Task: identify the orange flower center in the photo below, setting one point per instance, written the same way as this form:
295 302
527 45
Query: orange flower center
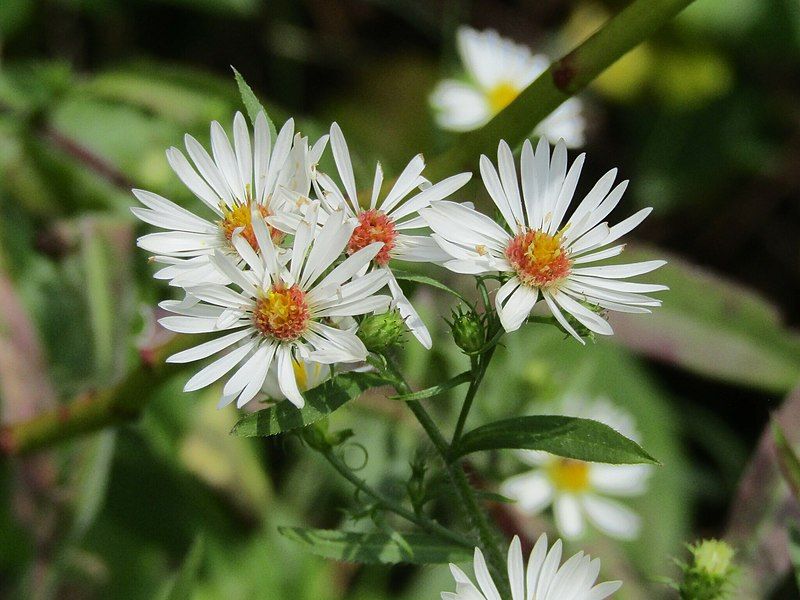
539 258
502 95
569 475
373 226
282 313
241 216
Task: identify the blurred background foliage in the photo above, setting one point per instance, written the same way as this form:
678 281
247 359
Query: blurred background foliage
705 121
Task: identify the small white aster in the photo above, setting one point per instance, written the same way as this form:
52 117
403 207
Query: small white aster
307 373
545 258
498 70
543 579
579 490
389 219
232 181
281 311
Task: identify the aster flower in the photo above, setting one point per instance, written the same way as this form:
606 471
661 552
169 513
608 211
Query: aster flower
308 375
280 314
232 182
544 253
579 490
389 220
497 71
543 579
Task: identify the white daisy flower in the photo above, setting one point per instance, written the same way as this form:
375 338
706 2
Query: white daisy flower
232 181
578 490
498 70
543 579
389 219
281 312
307 373
546 260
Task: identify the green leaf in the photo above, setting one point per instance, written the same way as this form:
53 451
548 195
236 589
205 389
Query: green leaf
435 390
320 402
252 103
405 276
794 550
181 586
787 459
581 439
377 548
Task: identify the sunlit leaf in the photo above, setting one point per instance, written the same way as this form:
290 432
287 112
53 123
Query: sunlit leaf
377 548
581 439
787 460
435 390
320 402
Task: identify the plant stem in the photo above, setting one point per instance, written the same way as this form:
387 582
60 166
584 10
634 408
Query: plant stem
92 411
479 519
420 520
565 77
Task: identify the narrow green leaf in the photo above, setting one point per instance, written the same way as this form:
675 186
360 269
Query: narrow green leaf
377 548
571 437
787 459
435 390
181 586
405 276
320 402
794 550
252 103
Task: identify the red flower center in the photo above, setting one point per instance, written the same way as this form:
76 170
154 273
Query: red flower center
373 226
539 258
282 313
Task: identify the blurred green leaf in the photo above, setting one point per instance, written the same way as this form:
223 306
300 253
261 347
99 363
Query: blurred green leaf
92 480
377 548
320 402
581 439
713 327
430 281
252 104
787 460
181 587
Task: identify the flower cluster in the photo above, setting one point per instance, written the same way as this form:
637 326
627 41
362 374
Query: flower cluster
288 259
290 256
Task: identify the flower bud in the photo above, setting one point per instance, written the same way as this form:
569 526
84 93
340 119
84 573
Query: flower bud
708 576
468 330
381 332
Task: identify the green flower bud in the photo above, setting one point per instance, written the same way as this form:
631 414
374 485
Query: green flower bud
709 574
468 330
381 332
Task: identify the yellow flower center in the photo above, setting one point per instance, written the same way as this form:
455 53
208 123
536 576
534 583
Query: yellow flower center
241 217
539 258
569 475
282 313
502 95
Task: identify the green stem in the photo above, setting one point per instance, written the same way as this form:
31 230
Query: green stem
421 521
479 519
565 77
93 411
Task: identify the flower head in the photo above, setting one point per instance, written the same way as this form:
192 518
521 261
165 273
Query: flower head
390 220
578 490
281 314
497 71
543 251
543 579
238 183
